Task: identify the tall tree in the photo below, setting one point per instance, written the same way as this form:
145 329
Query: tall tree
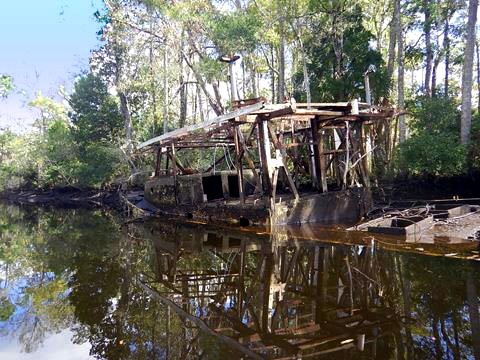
402 126
467 75
392 39
427 28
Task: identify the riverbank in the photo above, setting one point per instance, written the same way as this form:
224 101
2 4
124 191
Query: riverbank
65 197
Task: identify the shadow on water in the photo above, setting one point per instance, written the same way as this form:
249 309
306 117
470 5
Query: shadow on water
163 290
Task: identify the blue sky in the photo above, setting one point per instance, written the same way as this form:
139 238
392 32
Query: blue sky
43 44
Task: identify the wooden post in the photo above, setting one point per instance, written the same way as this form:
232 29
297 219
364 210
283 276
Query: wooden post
314 156
265 156
322 158
174 169
239 164
363 154
159 161
167 159
347 155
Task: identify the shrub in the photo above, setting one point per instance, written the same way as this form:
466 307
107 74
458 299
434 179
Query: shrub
434 145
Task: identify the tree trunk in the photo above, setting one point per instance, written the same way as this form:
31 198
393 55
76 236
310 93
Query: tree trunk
214 103
281 68
200 104
436 62
478 77
272 75
153 84
446 46
126 120
306 77
466 121
165 89
392 41
253 81
427 26
401 77
183 86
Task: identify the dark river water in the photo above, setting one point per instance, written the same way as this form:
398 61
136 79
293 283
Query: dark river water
77 284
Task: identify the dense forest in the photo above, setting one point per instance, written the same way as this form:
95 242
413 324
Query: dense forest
158 69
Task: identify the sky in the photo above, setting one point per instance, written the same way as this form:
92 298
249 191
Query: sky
43 44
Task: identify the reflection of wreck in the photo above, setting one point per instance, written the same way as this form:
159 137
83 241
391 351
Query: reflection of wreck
274 166
276 299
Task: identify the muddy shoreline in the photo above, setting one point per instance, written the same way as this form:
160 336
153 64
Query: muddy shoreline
65 198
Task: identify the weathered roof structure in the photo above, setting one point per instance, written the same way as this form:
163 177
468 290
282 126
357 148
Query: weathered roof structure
212 132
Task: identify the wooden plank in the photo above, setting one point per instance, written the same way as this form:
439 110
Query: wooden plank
318 112
274 110
316 105
175 134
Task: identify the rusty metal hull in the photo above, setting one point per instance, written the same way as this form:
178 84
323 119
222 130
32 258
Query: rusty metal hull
336 207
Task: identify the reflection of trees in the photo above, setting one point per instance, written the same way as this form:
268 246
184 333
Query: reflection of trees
440 305
79 270
32 296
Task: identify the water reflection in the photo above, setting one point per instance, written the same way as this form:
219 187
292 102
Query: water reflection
153 290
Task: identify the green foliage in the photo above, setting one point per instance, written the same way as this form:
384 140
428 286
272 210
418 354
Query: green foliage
82 154
434 146
6 85
342 79
100 165
235 32
6 309
95 113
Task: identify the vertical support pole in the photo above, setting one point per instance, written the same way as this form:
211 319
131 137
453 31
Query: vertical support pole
322 159
347 154
239 157
313 168
159 161
315 156
174 169
167 160
363 154
265 156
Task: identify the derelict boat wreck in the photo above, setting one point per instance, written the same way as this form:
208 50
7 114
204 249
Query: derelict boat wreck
270 164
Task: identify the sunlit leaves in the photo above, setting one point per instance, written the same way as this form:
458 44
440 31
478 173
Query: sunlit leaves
6 85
